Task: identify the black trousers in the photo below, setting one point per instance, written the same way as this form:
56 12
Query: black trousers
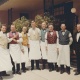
44 61
51 66
17 65
2 73
78 59
32 64
23 66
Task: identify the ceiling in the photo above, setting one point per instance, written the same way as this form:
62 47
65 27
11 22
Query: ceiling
26 4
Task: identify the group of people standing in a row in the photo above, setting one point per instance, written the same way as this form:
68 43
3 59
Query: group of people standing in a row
53 47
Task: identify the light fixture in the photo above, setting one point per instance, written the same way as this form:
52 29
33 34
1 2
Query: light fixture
3 1
73 10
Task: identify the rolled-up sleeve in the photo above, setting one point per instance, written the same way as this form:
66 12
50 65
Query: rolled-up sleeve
70 39
9 39
20 38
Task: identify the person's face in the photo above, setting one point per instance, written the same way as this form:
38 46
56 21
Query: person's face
33 24
13 28
3 29
24 29
78 27
63 27
44 25
50 27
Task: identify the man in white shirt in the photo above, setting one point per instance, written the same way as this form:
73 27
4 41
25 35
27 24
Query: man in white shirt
34 35
5 60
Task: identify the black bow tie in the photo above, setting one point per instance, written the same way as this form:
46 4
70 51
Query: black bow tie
78 32
13 32
4 32
62 31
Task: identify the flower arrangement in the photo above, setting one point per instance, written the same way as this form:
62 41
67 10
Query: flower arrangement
38 19
19 23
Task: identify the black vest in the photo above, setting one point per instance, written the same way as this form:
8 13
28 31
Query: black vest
63 39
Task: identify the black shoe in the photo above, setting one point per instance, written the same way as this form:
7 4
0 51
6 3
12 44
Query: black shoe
68 72
7 75
50 70
32 69
13 72
62 71
77 73
26 68
24 71
57 70
43 68
38 69
1 78
18 72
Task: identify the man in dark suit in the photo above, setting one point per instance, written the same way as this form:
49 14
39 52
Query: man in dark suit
77 48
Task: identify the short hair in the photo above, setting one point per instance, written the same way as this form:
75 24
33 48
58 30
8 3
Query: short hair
44 22
63 24
24 27
3 25
78 24
50 24
13 25
32 21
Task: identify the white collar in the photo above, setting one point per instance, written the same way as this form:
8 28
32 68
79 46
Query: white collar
64 31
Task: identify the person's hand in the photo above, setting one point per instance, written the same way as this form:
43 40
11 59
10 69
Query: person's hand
15 36
14 40
74 52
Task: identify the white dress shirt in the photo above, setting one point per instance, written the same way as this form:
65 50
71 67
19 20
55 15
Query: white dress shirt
78 35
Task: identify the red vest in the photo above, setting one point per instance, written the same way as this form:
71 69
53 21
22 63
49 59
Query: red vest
11 36
51 39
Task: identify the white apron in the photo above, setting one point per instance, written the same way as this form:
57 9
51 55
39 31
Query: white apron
52 53
25 55
43 50
5 60
64 55
15 52
35 53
